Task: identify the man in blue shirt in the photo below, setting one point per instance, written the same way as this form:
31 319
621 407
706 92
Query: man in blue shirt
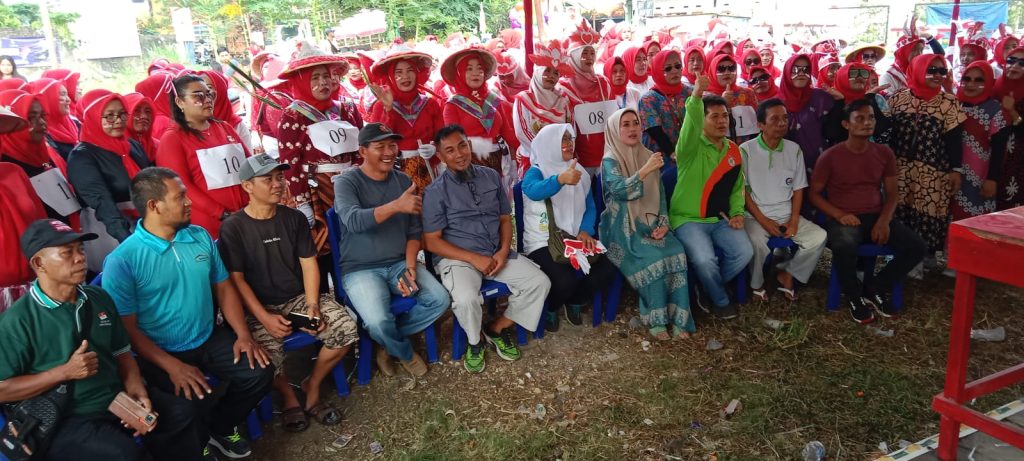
163 278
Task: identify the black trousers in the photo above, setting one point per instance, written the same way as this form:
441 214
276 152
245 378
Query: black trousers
238 391
909 250
566 287
103 438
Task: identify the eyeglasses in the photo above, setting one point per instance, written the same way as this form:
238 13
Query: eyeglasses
759 79
937 70
112 118
797 70
972 80
670 68
752 62
203 96
871 56
726 69
859 73
1014 62
655 220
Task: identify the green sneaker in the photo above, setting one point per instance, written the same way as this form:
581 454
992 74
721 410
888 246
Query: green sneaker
551 319
474 359
504 344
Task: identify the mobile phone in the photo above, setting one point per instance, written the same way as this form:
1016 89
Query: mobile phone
408 284
300 320
782 229
132 412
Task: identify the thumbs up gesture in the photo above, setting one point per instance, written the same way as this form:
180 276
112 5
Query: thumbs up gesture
702 84
729 95
82 363
409 202
571 176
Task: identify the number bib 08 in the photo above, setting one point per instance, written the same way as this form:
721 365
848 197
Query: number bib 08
53 189
591 117
746 120
220 165
334 137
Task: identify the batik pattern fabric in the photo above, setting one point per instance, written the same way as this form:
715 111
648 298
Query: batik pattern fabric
667 112
983 122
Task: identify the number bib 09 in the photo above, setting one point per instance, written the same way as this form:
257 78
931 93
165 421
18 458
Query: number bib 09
334 137
746 120
54 191
220 165
591 117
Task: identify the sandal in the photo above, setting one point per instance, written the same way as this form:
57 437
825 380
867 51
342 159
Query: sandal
325 414
790 293
760 295
294 419
659 333
679 333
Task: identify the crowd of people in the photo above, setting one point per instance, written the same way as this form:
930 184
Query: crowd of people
194 238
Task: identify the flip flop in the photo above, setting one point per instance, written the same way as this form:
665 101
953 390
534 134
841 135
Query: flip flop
790 294
325 414
760 295
295 419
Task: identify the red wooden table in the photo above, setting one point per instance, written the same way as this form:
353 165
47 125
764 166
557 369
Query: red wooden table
989 246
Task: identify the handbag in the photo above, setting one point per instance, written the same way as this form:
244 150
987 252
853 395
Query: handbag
31 423
556 238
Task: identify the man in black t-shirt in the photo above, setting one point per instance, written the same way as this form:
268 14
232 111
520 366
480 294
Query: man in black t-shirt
269 251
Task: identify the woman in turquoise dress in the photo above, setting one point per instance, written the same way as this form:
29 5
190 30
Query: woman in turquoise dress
634 228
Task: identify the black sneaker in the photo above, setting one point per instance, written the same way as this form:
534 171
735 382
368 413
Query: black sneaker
860 309
573 314
551 321
233 445
208 454
702 299
727 312
882 305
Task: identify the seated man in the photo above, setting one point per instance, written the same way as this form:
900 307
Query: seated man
853 174
776 178
706 211
163 279
65 332
467 226
270 254
379 213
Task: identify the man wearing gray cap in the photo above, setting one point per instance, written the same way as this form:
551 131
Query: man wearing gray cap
270 255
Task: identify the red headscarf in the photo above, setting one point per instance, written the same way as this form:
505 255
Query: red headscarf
659 77
18 144
1005 86
987 73
686 58
301 88
902 55
997 52
609 68
842 81
513 38
980 53
629 58
794 98
422 75
134 101
358 81
69 78
157 88
646 47
222 105
58 125
19 206
12 84
461 87
719 48
711 71
824 82
93 104
773 90
917 80
743 62
772 68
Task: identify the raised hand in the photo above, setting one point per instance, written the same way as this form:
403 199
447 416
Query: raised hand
729 95
409 202
571 176
383 95
878 89
702 84
654 163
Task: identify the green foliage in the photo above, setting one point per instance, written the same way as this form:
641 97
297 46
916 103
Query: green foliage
26 15
8 20
416 18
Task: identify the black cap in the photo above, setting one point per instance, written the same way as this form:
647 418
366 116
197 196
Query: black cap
259 165
373 132
46 233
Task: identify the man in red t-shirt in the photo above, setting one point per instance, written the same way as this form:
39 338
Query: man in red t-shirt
853 174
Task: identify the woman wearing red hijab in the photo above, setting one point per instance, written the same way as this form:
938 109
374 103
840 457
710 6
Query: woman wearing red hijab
721 47
651 49
478 109
662 108
814 115
768 61
761 84
636 69
61 130
1000 51
907 48
926 136
1010 91
206 152
18 208
222 109
750 59
742 102
70 80
588 93
985 132
140 122
100 169
157 88
406 108
853 81
693 65
618 80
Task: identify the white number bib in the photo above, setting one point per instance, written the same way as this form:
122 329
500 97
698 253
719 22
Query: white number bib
54 191
334 137
220 165
746 120
591 117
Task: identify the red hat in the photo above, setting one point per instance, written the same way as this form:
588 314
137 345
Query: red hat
584 36
397 53
552 56
506 64
310 56
486 59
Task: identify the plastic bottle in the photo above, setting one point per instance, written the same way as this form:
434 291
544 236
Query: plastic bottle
814 451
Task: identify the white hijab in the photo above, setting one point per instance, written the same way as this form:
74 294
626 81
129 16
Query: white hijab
570 202
547 99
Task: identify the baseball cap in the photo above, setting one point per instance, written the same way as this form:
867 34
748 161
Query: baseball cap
373 132
259 165
46 233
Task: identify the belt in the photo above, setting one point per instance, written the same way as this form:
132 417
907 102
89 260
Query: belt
327 167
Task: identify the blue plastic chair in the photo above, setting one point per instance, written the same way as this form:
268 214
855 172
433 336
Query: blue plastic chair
868 254
491 291
399 305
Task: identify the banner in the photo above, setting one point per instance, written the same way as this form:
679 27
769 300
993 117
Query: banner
27 51
991 13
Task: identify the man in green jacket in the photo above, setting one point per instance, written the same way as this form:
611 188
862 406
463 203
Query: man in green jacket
706 211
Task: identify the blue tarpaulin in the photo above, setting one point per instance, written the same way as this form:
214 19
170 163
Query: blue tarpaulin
991 13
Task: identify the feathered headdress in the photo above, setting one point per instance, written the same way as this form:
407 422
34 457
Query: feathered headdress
552 55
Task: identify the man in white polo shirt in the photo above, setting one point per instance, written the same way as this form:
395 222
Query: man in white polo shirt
776 179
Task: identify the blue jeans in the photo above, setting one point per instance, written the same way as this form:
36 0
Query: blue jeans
700 240
370 292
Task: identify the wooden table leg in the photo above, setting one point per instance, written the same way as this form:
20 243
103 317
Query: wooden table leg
956 367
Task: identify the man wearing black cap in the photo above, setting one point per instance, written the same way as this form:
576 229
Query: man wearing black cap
379 211
270 254
64 332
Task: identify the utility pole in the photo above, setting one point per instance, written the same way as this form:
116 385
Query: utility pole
51 44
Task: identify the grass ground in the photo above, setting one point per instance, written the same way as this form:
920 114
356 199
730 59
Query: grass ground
606 396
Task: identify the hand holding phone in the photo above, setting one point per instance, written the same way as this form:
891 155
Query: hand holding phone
132 413
407 283
302 321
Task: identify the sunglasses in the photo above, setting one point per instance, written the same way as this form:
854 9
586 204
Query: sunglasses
758 79
1015 62
937 70
868 56
201 96
972 80
797 70
859 73
670 68
726 69
752 62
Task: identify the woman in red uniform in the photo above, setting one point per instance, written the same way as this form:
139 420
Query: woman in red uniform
222 109
585 87
70 80
61 130
18 208
140 122
157 88
205 152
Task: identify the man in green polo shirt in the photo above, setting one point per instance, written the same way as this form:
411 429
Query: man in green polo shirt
62 332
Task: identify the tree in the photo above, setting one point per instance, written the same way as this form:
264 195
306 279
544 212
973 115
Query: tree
416 18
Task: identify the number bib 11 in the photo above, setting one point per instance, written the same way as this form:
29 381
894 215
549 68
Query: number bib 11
334 137
746 120
53 189
591 117
220 165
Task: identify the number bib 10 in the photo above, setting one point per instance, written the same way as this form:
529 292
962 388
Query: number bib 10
220 165
591 117
746 120
334 137
53 189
